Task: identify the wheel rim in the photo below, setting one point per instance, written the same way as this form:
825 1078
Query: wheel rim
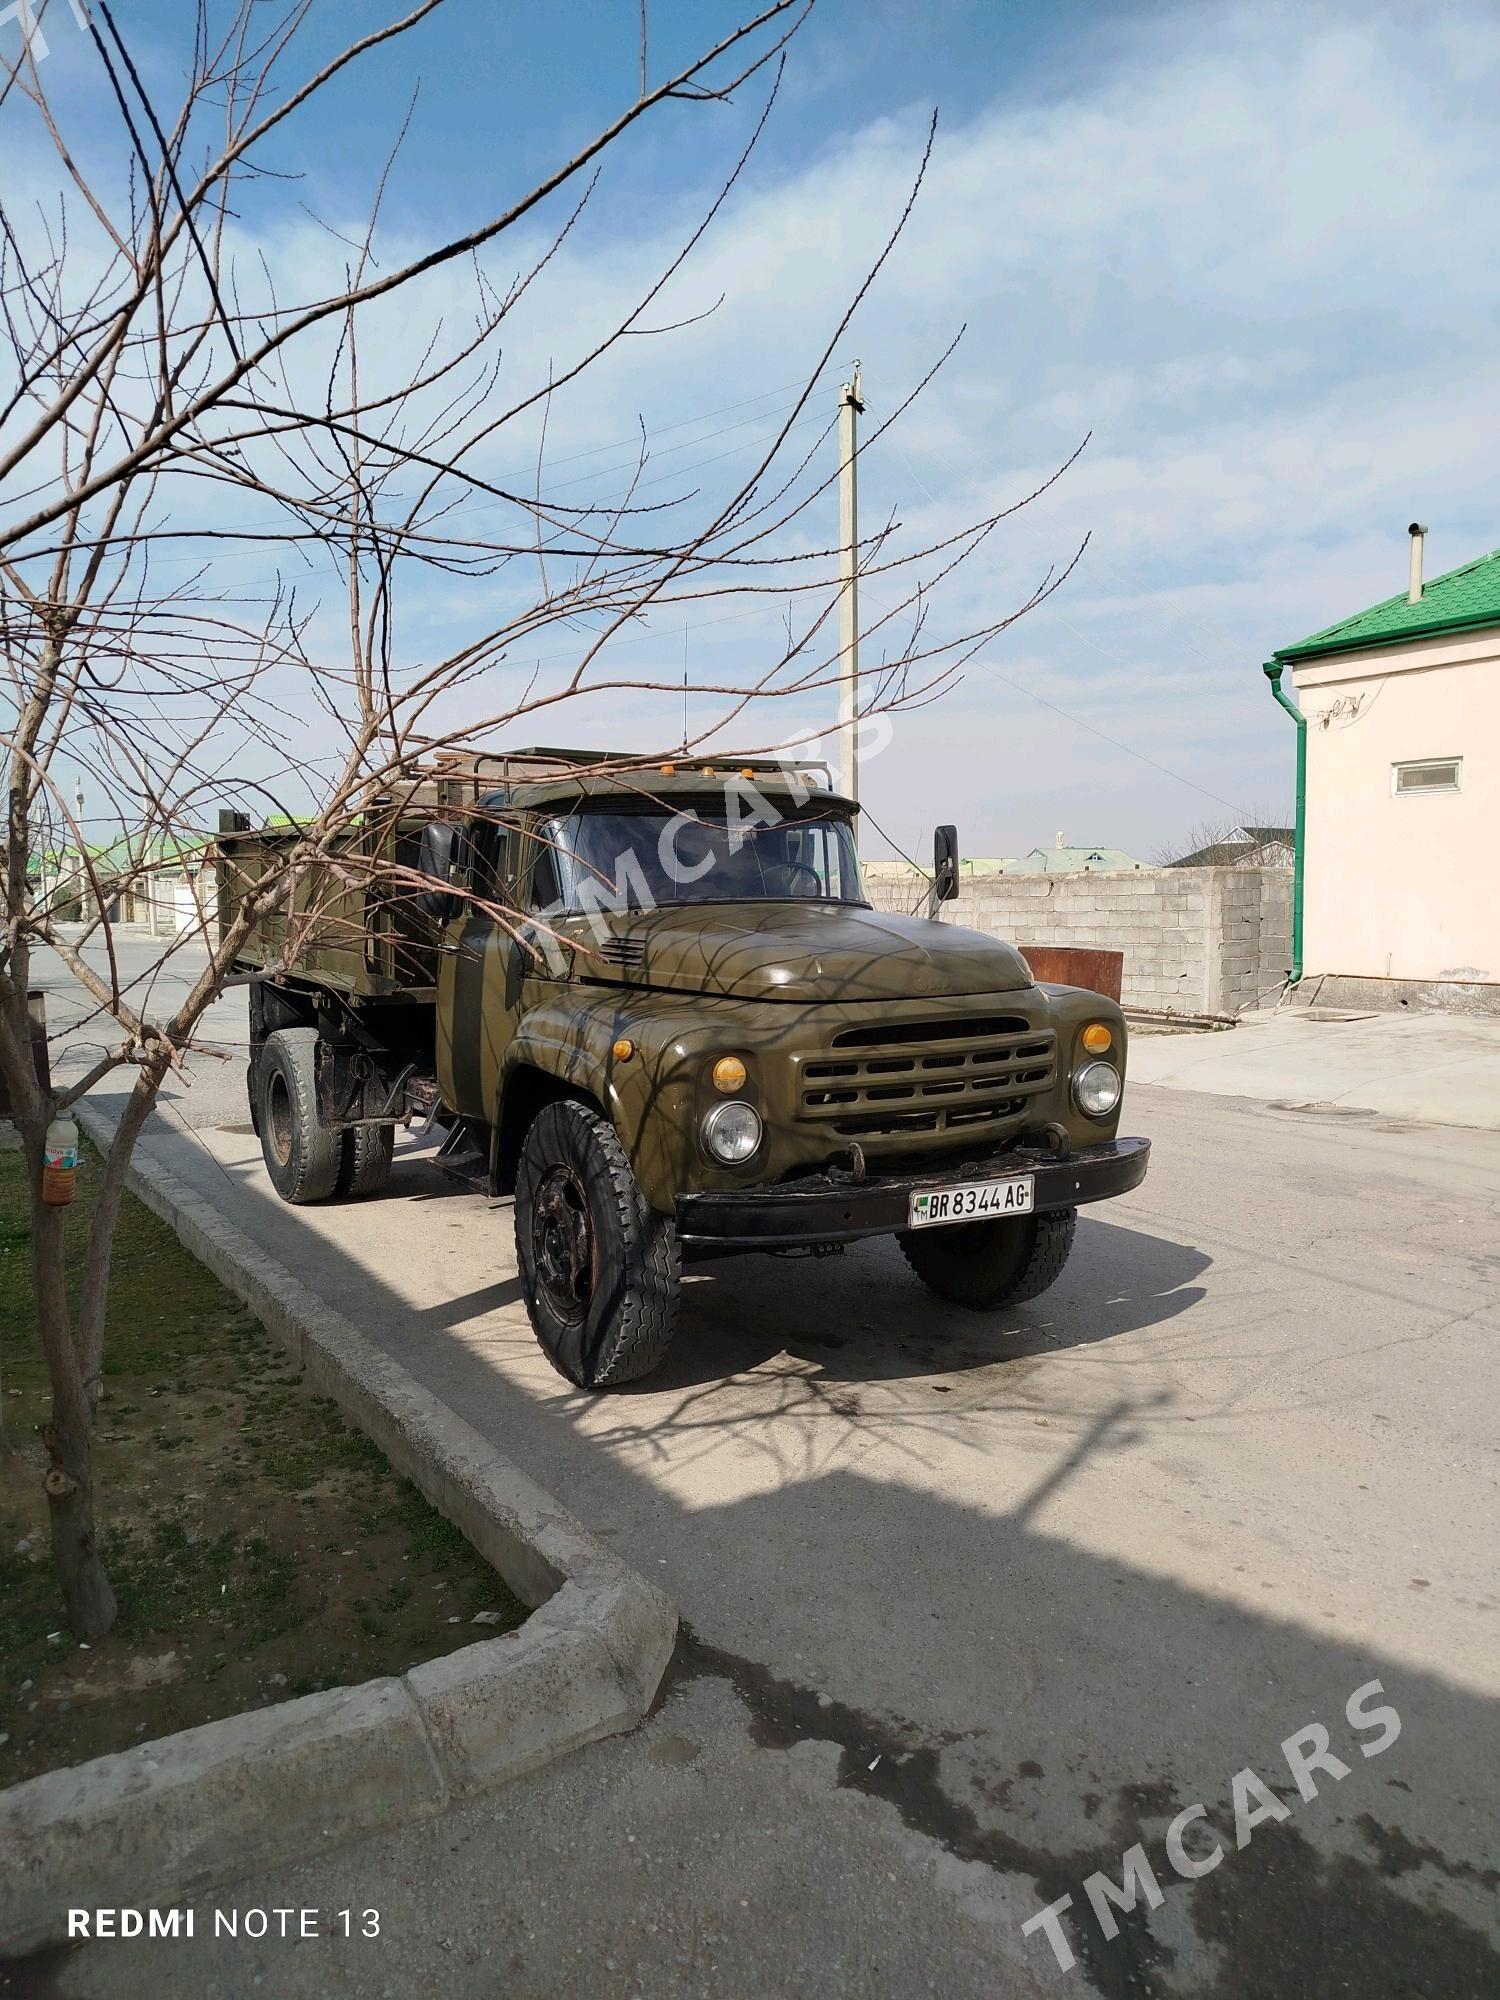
562 1235
278 1115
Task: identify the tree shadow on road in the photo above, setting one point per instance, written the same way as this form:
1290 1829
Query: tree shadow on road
1037 1708
833 1313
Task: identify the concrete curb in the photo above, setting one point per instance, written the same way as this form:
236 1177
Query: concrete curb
190 1812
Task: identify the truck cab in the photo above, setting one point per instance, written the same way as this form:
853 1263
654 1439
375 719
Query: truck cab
663 1015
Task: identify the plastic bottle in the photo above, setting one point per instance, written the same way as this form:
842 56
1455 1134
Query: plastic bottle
60 1162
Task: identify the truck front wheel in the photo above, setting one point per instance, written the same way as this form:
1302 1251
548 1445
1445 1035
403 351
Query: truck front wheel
983 1265
600 1268
302 1156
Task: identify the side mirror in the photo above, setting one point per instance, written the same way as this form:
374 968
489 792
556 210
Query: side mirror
435 858
945 864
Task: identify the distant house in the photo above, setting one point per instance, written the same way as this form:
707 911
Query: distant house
1245 847
163 883
1402 819
1060 859
902 871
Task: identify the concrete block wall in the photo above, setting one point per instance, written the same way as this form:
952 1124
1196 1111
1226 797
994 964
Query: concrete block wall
1254 932
1195 940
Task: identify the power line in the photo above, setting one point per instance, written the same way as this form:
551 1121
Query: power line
1085 639
1093 728
1096 562
679 471
1103 734
594 451
703 417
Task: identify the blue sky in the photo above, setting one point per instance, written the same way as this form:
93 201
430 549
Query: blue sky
1250 250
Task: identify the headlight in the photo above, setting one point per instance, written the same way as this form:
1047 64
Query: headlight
731 1132
1096 1089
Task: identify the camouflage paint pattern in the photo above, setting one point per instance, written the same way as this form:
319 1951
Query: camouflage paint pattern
500 1012
774 983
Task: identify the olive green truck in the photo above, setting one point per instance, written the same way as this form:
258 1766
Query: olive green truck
656 1007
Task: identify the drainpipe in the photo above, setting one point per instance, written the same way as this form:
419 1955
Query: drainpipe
1273 671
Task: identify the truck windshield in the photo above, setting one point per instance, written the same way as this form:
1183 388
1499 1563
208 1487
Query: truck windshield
636 860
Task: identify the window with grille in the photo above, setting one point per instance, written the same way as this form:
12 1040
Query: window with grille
1431 774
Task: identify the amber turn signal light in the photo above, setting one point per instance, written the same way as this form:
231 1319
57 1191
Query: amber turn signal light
729 1074
623 1049
1097 1038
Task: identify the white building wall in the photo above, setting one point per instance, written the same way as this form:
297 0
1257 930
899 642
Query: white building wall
1402 887
175 903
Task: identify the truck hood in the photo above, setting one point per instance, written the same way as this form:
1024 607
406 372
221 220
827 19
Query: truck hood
804 952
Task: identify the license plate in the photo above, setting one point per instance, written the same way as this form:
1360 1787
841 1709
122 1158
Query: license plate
973 1201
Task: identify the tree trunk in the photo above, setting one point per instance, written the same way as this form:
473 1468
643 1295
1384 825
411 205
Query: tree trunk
93 1297
88 1595
69 1479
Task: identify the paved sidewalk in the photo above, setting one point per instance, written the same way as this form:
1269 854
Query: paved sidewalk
713 1855
1430 1068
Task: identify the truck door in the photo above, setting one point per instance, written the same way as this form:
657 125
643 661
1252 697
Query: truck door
485 969
479 983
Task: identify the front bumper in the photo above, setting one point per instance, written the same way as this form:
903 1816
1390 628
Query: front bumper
822 1209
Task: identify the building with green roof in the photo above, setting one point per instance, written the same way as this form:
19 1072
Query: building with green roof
160 881
1061 859
1464 600
1399 729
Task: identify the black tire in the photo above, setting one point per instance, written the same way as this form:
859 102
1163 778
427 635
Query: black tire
365 1160
983 1265
252 1091
302 1156
600 1268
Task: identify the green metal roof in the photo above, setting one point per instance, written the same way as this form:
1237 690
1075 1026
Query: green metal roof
1453 603
1070 860
133 854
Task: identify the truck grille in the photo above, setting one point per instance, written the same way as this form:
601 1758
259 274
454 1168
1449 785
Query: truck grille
927 1076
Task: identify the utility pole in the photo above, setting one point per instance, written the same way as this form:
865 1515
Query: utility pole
850 407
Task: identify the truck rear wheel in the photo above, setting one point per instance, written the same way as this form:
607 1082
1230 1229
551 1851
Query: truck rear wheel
302 1156
983 1265
365 1159
600 1268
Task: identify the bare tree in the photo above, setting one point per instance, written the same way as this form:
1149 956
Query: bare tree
164 378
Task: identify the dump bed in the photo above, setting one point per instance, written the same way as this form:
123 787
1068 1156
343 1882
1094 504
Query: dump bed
348 924
342 926
352 924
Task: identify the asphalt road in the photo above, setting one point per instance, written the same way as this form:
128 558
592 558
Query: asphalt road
974 1605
